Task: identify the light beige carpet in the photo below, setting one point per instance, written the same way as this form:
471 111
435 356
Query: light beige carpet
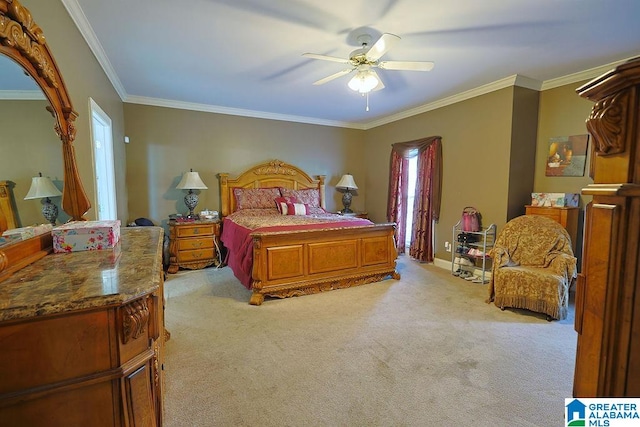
423 351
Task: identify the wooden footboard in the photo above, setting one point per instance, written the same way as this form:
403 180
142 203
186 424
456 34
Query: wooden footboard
287 264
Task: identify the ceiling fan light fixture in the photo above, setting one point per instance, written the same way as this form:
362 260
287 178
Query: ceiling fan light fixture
363 81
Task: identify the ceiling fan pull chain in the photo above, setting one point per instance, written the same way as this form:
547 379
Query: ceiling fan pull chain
367 95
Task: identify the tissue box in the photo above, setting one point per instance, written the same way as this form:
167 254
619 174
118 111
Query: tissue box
25 233
570 200
86 236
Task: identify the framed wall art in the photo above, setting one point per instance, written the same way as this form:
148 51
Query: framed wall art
567 155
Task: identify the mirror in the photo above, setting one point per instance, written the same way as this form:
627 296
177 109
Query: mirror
23 41
28 143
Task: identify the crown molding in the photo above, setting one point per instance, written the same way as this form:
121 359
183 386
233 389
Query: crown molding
582 75
23 95
81 21
510 81
79 18
157 102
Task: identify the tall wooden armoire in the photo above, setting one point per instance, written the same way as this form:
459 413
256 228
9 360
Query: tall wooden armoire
608 290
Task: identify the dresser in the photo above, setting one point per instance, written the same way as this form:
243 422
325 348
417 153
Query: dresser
565 216
193 244
82 337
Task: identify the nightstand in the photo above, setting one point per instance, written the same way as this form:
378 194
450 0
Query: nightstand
363 215
194 244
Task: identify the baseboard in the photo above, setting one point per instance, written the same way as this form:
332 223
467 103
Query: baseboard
442 263
447 266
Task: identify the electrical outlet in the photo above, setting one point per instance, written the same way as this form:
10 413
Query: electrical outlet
447 246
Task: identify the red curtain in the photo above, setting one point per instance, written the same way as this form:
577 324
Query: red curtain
426 207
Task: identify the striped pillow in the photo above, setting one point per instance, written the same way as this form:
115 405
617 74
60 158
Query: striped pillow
295 209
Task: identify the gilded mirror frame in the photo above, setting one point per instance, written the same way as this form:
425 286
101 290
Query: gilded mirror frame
22 40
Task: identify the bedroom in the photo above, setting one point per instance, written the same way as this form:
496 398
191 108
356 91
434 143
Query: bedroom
497 129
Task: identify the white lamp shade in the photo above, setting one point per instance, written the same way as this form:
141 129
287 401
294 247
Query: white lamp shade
363 81
191 181
347 183
41 187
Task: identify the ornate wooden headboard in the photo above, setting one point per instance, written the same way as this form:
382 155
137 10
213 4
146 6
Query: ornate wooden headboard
275 173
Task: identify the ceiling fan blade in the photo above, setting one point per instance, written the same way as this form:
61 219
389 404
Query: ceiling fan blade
326 58
382 46
333 76
407 65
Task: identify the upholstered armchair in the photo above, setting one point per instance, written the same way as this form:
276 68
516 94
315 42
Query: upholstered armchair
533 266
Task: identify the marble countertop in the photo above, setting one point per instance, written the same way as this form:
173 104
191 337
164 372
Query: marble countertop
65 282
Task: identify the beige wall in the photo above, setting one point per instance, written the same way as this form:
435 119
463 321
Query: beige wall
523 150
28 146
476 150
83 78
166 142
562 113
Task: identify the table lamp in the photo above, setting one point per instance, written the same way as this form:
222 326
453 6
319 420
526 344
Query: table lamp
191 181
42 187
347 184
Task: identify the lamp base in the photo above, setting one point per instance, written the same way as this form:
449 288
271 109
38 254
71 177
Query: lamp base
346 201
50 211
191 200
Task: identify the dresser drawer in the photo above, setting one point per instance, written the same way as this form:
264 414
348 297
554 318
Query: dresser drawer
196 230
190 244
196 255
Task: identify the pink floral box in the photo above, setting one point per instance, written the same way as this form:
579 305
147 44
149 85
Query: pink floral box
86 236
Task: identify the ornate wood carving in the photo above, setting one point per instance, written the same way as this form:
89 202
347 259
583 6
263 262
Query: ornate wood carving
275 167
607 123
287 291
135 319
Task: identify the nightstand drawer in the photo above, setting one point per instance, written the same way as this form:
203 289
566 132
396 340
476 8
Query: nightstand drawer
196 230
190 244
196 255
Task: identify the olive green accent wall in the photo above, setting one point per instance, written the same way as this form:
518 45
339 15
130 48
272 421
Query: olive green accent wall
167 142
84 78
29 145
523 150
563 113
477 156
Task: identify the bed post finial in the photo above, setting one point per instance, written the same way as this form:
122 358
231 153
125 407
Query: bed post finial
321 186
224 190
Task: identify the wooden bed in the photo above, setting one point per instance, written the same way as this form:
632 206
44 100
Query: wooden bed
7 211
287 264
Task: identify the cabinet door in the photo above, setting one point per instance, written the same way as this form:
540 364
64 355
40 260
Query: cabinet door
138 396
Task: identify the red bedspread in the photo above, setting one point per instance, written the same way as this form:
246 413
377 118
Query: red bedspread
238 227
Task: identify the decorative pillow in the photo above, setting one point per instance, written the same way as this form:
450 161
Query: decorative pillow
295 209
310 196
255 198
281 203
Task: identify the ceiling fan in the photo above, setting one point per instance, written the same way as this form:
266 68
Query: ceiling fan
365 59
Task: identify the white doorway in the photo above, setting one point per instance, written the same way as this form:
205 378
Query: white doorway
102 143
